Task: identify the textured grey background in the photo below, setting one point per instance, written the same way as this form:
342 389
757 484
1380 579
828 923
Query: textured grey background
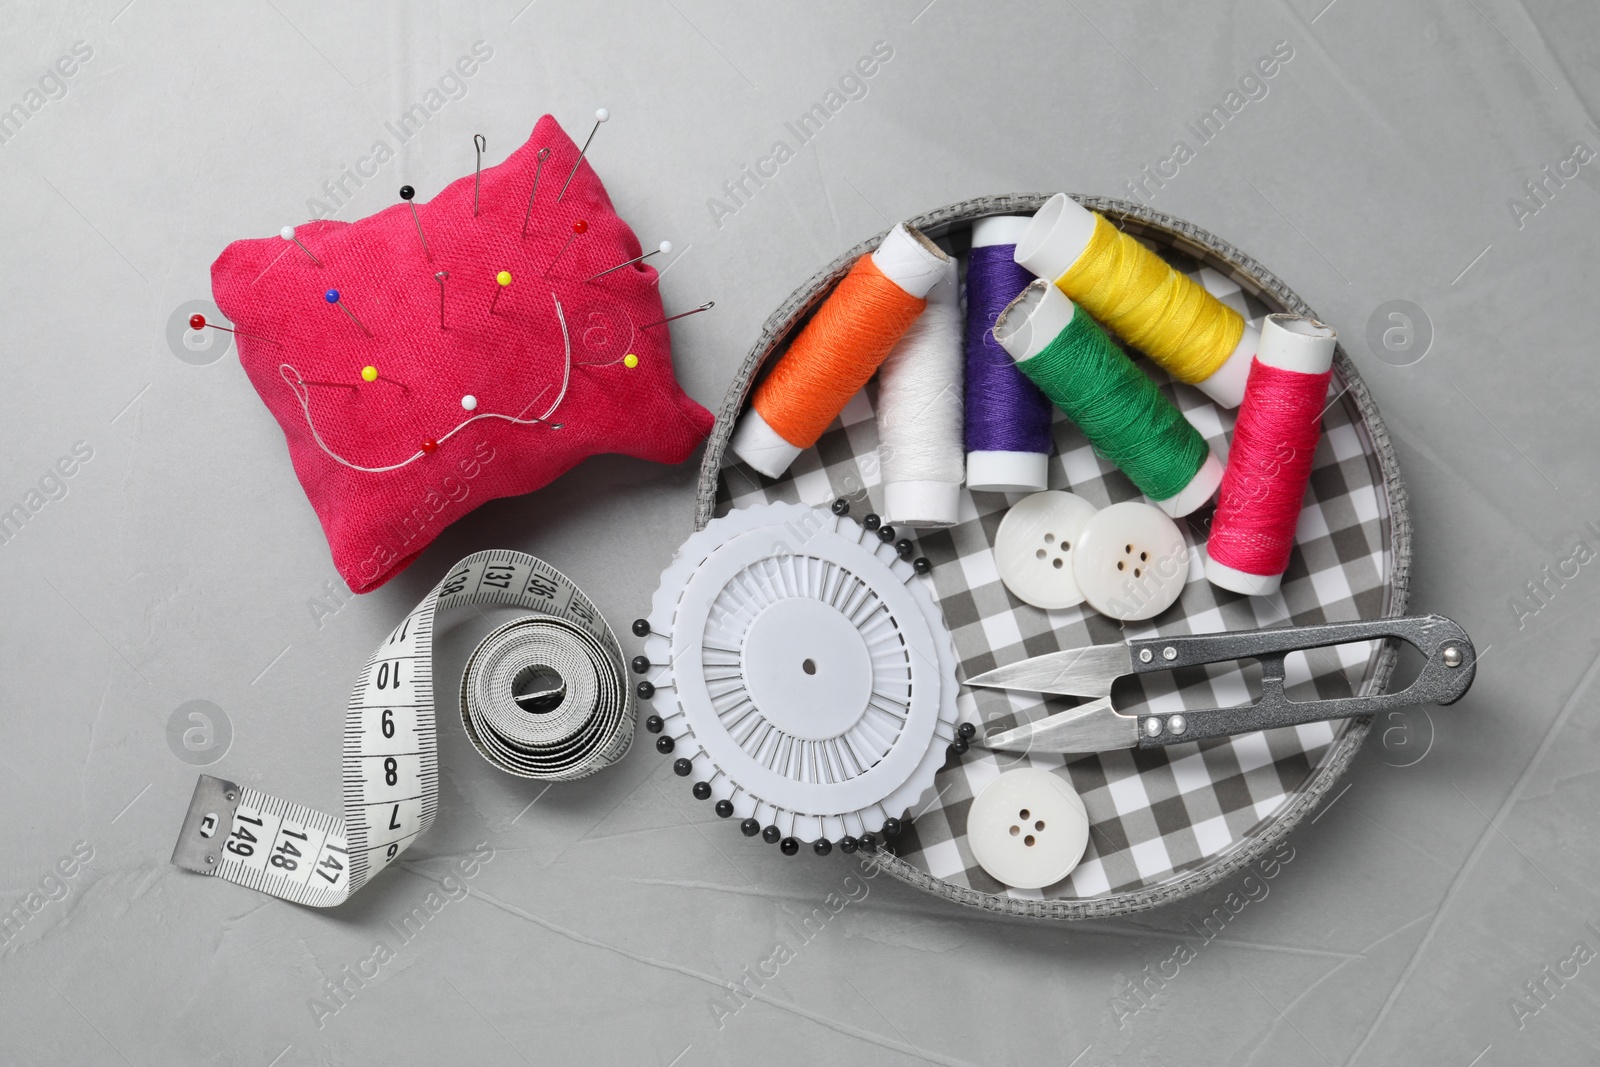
183 561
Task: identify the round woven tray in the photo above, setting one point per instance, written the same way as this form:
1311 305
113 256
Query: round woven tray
1175 821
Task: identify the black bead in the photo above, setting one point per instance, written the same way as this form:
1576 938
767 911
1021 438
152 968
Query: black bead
872 522
749 827
922 564
681 767
902 548
822 847
641 627
664 744
886 534
841 506
789 846
702 790
961 745
654 724
891 828
406 192
868 843
771 835
847 845
724 809
640 664
646 689
967 730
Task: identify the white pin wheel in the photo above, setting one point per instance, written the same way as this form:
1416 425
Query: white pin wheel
803 670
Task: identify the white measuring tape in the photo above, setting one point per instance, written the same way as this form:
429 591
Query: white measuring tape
542 697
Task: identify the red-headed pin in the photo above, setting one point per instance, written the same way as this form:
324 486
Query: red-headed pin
198 322
578 228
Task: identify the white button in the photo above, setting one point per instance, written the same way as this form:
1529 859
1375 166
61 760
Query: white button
1130 561
1028 828
1034 545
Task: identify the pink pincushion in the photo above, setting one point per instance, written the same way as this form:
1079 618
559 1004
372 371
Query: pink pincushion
514 361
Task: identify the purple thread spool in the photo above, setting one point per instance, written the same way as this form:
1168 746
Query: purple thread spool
1007 418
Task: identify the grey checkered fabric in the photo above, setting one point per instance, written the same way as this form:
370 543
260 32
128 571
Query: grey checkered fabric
1156 816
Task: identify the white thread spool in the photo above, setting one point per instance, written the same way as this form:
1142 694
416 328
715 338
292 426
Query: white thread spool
1052 246
920 414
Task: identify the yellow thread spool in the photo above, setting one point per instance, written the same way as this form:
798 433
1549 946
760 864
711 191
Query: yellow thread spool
1139 297
1158 310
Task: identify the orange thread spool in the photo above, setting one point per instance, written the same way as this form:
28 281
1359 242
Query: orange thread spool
839 349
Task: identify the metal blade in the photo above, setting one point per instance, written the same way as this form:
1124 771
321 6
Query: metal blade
1091 727
1077 672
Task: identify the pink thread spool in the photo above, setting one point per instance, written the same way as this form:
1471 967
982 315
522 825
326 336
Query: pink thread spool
1269 462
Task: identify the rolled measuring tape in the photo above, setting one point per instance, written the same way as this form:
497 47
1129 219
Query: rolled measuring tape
545 696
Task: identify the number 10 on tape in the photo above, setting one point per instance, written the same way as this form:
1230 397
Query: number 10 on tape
390 759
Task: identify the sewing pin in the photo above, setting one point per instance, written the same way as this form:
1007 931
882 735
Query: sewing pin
501 280
707 306
599 117
578 227
370 374
663 249
406 193
332 297
440 278
479 142
198 322
538 169
630 361
287 233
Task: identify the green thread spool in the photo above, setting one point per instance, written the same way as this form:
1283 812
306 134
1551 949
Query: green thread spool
1121 411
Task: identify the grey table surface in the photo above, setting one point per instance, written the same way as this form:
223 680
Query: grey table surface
1441 908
